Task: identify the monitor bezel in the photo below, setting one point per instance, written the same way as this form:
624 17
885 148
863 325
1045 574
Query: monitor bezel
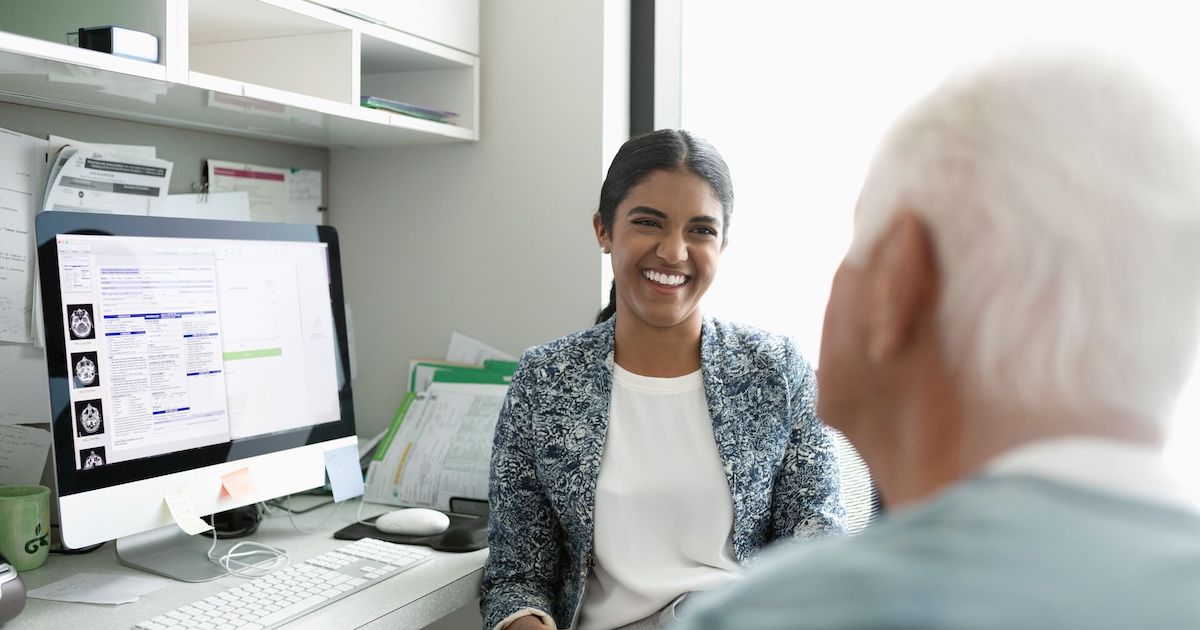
69 480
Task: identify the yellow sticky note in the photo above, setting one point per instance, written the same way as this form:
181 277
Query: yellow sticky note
239 484
183 512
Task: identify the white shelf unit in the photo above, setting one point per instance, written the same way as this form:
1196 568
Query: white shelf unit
283 70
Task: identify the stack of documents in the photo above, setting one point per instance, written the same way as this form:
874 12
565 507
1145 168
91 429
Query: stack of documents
439 445
85 178
408 109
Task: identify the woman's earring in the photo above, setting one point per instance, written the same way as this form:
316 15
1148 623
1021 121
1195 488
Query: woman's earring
604 249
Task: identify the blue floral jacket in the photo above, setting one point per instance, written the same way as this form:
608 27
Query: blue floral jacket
779 459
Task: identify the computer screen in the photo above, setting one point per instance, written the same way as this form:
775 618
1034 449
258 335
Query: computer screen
180 350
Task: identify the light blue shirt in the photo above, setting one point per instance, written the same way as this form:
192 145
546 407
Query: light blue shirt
1025 549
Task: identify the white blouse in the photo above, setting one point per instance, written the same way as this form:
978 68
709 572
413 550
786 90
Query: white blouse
664 515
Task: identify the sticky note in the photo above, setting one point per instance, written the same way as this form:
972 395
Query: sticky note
239 484
183 512
345 475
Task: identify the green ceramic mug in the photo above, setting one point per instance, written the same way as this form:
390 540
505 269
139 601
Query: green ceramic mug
25 525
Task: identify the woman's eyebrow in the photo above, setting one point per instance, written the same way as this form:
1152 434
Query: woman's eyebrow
706 219
647 210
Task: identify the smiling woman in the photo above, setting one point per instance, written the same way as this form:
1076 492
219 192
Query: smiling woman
653 454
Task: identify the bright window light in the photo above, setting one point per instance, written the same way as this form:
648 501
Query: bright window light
796 95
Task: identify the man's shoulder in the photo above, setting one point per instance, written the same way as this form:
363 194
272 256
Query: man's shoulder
987 545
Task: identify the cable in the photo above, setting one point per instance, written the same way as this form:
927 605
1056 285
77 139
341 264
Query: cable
234 565
291 513
358 516
276 503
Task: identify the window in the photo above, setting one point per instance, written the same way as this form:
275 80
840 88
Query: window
796 96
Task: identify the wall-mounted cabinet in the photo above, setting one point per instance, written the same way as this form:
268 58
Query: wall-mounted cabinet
285 70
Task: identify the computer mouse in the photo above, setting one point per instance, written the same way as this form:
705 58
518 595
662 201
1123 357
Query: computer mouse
413 522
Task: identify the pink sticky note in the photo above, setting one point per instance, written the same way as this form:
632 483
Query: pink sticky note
239 484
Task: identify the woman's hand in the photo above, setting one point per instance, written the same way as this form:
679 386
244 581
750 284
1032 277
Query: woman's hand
529 622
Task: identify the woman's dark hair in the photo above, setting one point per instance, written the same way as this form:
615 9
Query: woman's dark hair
662 150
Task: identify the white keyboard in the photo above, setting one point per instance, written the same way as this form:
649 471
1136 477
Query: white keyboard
275 599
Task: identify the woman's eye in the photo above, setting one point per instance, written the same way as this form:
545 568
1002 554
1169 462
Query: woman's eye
706 231
646 222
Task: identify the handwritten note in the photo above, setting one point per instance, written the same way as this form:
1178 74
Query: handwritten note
345 475
183 512
239 484
19 187
304 197
24 395
22 454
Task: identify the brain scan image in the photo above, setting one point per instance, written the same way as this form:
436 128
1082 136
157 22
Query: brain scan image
85 371
91 460
81 323
89 418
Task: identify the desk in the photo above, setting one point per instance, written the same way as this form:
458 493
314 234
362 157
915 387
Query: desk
412 599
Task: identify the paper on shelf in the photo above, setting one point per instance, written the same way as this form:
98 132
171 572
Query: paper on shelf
183 512
20 186
304 197
464 349
96 588
226 206
345 473
266 185
24 395
23 453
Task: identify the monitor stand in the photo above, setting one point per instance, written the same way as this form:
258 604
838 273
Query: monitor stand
171 552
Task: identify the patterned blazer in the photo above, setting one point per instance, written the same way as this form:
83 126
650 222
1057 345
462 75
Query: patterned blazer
779 460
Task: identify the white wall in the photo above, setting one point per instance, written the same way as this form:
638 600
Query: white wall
492 239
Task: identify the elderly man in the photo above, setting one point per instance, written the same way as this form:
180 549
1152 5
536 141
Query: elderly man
1003 344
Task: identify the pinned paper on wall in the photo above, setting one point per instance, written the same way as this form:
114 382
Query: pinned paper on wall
23 453
239 484
266 185
345 474
183 512
304 197
24 397
226 206
20 188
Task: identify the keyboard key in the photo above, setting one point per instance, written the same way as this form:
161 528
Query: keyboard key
272 600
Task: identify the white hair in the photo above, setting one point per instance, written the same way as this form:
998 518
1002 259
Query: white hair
1062 194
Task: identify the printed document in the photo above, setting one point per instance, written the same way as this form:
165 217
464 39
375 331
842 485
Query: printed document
464 349
439 448
267 187
92 179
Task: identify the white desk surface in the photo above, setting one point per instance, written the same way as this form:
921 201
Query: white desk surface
412 599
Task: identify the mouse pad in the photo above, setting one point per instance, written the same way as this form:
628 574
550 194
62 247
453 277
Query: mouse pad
466 533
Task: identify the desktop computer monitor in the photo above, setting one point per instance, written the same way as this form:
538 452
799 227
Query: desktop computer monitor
181 350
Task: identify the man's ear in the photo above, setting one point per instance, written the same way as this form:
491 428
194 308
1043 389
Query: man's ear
904 287
602 237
